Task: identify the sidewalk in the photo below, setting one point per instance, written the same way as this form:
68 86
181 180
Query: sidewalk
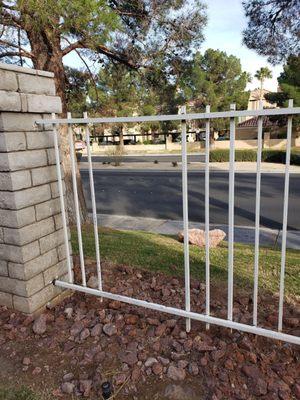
240 167
242 234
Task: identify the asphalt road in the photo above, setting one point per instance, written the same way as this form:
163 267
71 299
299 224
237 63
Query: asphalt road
157 194
149 158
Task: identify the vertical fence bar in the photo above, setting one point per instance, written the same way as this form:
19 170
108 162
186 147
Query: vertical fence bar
62 202
207 261
94 209
285 216
231 215
257 213
76 202
185 218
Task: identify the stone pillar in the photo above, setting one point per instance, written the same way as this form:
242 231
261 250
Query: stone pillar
32 251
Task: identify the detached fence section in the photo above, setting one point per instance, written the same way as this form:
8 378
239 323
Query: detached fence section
187 313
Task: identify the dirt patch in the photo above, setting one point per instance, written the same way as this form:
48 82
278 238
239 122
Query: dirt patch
145 354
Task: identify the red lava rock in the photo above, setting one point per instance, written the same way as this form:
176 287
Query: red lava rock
292 322
160 330
85 387
109 329
193 369
26 361
153 321
115 305
217 355
76 328
128 357
157 368
176 374
67 387
171 323
68 377
136 373
39 326
150 361
203 361
182 363
229 364
200 345
36 371
120 379
296 391
163 361
84 334
96 330
131 319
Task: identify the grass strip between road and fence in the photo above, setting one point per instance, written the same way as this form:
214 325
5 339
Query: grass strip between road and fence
162 253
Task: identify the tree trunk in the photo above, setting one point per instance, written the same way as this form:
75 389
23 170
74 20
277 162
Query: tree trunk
48 56
121 137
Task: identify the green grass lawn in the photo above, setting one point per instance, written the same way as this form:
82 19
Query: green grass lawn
18 394
165 254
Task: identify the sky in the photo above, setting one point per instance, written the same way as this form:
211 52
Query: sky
226 21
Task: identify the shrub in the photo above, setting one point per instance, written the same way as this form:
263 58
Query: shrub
221 155
116 153
272 156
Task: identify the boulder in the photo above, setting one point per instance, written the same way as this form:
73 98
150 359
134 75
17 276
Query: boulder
197 237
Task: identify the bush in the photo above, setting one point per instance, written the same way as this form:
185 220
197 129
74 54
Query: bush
272 156
221 155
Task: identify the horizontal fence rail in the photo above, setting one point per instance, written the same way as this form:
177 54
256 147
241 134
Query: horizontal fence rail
183 118
174 117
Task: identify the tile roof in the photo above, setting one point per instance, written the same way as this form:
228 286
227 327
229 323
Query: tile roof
253 122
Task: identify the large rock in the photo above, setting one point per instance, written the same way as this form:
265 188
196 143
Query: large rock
197 237
40 325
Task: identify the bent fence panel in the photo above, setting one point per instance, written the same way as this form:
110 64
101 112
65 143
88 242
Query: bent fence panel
186 313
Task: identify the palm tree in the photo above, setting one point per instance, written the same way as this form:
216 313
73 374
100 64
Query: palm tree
262 74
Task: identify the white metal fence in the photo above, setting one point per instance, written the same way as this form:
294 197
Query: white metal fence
186 313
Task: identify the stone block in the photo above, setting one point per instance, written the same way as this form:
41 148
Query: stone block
8 80
54 189
3 268
10 101
36 84
29 233
47 209
15 161
1 235
25 198
12 141
34 267
55 272
20 254
15 180
39 140
43 175
18 122
17 219
6 299
51 241
38 300
22 288
43 104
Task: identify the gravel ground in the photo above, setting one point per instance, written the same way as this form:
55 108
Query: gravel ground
71 349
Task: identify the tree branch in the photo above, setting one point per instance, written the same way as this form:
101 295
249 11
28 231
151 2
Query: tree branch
83 44
13 54
8 44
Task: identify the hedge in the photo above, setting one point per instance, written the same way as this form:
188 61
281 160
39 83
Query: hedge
273 156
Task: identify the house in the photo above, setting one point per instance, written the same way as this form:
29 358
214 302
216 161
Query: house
248 129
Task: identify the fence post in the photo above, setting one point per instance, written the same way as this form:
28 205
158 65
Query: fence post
185 218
